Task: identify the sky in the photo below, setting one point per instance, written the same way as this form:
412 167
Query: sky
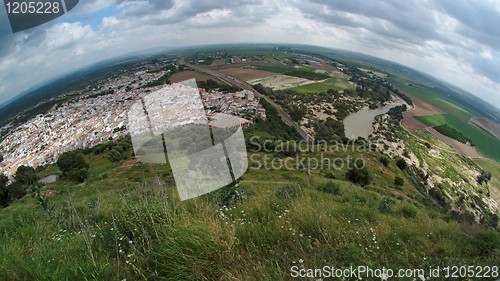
457 41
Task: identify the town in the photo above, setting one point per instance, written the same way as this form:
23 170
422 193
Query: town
101 115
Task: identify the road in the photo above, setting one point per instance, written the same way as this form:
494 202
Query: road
245 86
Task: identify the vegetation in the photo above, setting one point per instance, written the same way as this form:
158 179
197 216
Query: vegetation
73 166
384 160
119 228
211 84
399 181
301 72
359 174
126 222
452 133
401 163
484 177
25 175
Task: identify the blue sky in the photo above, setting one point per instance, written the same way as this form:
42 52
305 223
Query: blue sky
454 40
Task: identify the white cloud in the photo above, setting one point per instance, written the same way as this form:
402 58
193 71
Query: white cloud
432 37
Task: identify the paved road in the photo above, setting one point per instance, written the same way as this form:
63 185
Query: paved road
245 86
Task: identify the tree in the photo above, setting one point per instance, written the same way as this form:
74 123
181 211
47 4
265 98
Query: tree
401 163
3 190
297 113
1 158
73 166
115 156
399 181
484 177
26 175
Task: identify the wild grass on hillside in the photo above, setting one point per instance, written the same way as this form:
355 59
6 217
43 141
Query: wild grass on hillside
132 226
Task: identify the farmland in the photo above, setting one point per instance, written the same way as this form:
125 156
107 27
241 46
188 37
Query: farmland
484 144
456 116
186 75
322 87
301 72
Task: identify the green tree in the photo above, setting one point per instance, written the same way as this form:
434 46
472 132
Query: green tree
484 177
26 175
115 156
73 166
3 190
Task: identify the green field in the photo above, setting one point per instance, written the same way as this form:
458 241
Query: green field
427 94
322 87
457 116
484 143
301 72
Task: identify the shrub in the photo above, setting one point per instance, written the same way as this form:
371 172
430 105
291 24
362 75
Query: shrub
384 160
487 241
115 155
408 211
399 181
401 163
329 187
359 176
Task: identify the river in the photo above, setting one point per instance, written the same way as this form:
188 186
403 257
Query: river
360 123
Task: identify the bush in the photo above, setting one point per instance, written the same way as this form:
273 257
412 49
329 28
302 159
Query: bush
408 211
359 176
329 187
384 160
401 163
399 181
484 177
115 156
487 242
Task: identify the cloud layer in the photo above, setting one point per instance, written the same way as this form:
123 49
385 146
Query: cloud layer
457 41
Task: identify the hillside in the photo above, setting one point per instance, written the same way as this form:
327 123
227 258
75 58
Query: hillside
126 222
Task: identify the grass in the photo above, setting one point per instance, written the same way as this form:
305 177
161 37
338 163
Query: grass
484 143
301 72
131 225
322 87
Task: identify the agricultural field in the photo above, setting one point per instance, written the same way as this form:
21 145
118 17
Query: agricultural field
486 125
484 143
338 84
280 82
454 115
186 75
452 133
246 73
296 71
